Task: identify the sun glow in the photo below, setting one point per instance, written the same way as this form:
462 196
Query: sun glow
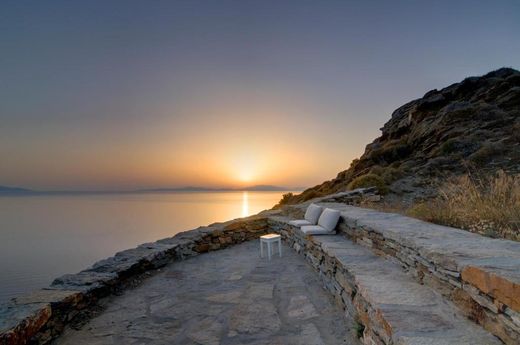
246 166
245 204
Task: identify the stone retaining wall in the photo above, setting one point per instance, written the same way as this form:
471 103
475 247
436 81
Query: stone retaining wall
39 317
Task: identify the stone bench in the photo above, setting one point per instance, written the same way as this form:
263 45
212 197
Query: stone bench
480 274
391 306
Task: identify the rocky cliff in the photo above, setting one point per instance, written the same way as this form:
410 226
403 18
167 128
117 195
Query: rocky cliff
469 126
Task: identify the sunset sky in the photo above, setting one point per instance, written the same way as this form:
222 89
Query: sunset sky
142 94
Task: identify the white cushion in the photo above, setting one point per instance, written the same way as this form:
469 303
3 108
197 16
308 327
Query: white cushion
316 230
329 219
313 213
300 222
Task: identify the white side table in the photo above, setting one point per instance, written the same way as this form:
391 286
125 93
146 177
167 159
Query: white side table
269 239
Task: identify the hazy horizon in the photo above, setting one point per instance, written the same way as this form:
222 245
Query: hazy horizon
127 94
257 188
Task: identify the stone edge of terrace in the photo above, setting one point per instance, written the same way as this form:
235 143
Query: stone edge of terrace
41 315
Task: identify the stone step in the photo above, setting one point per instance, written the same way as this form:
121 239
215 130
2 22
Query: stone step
480 275
391 305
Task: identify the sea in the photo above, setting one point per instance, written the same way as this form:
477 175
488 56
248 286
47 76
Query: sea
45 236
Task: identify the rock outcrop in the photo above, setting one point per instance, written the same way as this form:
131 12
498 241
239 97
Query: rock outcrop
469 126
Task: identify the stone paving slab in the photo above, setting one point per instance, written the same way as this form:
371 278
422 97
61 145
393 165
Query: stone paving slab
231 296
463 247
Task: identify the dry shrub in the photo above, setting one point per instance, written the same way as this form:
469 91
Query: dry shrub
369 180
286 199
487 205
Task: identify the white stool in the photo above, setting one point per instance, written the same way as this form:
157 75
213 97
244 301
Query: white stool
269 239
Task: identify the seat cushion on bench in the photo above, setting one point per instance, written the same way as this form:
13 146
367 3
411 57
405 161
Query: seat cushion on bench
316 230
300 222
313 213
329 219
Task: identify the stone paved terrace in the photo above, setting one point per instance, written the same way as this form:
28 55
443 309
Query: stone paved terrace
403 281
231 296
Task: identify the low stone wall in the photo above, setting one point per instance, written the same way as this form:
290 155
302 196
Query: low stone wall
39 317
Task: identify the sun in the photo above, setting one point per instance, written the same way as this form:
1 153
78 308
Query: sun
245 176
245 167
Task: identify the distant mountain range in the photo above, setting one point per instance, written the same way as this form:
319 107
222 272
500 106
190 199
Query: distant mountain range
4 190
14 190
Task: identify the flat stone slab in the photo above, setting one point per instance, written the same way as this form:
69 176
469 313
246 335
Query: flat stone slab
231 296
412 313
492 265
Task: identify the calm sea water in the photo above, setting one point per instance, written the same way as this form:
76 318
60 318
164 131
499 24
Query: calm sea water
43 237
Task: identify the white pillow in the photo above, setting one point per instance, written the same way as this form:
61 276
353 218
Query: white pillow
313 213
329 219
315 230
300 222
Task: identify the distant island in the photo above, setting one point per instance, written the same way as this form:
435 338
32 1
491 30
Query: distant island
5 190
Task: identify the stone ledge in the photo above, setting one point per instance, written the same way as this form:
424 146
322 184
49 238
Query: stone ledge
392 307
39 317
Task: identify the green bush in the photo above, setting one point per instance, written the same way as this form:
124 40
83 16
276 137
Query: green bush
515 131
391 152
449 146
310 195
286 199
486 152
369 180
377 170
359 328
390 174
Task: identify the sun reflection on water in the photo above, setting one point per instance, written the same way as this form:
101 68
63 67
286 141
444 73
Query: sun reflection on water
245 204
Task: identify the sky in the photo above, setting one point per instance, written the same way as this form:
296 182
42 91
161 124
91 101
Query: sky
143 94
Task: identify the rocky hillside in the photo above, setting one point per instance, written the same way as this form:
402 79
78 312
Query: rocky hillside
471 126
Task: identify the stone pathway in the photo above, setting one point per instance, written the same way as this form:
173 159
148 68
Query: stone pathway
229 296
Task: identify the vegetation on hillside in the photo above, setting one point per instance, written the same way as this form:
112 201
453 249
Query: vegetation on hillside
451 157
472 125
486 205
